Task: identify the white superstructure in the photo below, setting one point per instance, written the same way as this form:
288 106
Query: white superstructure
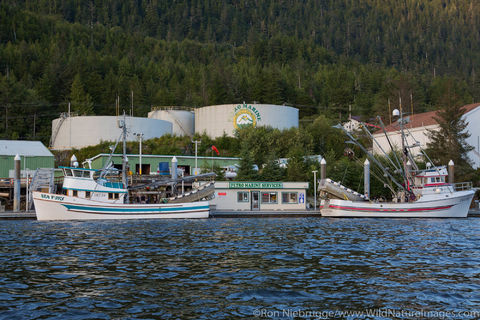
224 119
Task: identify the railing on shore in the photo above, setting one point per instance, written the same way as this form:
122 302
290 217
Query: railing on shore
8 182
460 186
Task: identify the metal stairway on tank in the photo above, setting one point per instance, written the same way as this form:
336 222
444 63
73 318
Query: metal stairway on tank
42 179
179 123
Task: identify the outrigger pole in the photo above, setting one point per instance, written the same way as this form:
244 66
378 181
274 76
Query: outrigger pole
372 158
390 144
380 147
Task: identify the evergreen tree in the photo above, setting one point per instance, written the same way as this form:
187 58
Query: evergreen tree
246 171
449 142
272 170
80 100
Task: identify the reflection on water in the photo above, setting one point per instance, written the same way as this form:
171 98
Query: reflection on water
237 268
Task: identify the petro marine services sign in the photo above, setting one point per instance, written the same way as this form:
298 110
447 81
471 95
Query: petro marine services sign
255 185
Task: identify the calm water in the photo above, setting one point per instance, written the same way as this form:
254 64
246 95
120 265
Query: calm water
240 268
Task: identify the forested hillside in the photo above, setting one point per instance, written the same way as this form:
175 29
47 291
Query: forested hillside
320 56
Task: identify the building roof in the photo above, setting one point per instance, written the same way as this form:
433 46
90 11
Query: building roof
23 148
424 119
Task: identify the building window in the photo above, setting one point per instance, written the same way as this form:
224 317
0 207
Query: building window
269 197
87 194
242 196
289 197
75 193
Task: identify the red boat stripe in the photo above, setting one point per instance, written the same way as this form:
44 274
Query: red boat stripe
390 210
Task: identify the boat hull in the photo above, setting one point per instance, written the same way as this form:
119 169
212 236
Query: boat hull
59 207
455 206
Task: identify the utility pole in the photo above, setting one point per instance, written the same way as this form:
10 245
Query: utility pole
34 120
140 136
131 110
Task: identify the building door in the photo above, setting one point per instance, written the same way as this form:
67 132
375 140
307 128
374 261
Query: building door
255 203
145 168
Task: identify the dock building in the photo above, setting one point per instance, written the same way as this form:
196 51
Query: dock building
160 164
33 155
260 196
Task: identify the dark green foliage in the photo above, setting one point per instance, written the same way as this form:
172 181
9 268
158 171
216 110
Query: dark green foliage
449 142
321 57
271 170
246 171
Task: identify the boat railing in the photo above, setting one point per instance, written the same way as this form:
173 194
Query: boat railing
461 186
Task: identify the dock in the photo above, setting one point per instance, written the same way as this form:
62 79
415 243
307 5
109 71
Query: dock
264 214
31 215
19 215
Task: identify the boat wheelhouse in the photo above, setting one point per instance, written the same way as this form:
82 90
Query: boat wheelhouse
88 184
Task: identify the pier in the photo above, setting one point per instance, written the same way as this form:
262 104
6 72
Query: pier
30 215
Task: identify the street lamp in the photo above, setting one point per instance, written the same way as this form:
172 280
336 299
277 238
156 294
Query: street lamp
140 136
195 171
315 190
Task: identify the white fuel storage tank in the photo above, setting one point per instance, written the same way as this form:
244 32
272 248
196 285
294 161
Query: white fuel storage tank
182 119
83 131
226 118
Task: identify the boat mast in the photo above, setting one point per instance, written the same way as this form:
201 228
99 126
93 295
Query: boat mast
124 154
404 150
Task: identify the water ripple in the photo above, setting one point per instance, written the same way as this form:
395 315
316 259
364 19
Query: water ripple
234 268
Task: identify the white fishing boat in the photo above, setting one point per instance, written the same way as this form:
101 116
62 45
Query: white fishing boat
422 193
88 198
431 197
90 194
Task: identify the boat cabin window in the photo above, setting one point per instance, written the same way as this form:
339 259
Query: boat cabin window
436 179
112 196
67 172
87 194
81 173
75 193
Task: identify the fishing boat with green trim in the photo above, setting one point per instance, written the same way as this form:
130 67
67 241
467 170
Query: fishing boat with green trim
89 196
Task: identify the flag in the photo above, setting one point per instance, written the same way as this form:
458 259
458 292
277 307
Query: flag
216 150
